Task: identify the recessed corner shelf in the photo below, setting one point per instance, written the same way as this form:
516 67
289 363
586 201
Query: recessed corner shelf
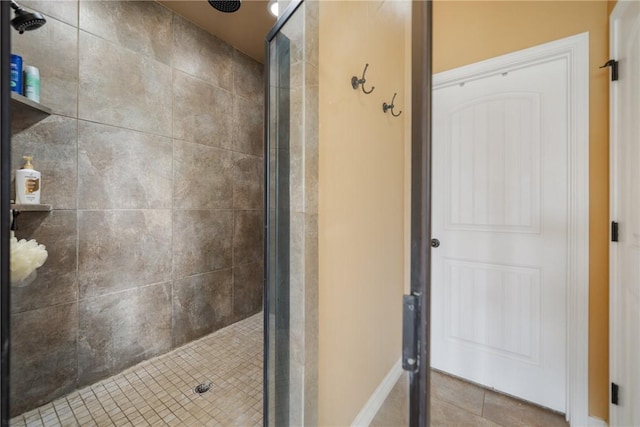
31 208
26 113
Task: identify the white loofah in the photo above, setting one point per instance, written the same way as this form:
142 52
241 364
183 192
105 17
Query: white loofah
26 256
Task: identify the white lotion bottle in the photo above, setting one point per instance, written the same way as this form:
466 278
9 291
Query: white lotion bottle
28 184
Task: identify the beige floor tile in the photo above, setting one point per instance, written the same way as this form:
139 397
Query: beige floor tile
467 396
70 423
449 398
508 411
444 414
395 411
160 392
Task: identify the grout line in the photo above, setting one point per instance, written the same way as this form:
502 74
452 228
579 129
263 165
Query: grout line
230 150
209 83
173 181
77 194
146 209
117 126
233 264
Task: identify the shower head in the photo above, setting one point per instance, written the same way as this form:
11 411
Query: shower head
226 6
26 21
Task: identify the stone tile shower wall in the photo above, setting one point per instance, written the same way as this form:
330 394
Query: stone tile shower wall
152 161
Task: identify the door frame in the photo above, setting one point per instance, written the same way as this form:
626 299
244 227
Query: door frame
421 171
575 51
614 143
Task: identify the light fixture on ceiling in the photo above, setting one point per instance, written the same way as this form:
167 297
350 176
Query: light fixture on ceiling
226 6
273 7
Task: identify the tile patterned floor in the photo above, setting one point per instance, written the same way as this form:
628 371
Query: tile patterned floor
160 391
457 403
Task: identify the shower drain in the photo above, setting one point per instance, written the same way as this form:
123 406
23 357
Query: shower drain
203 388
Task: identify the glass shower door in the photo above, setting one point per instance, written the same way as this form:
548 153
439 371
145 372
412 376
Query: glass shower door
347 214
277 243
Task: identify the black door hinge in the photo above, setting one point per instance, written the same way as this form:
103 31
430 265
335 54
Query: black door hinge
614 231
614 69
410 320
614 393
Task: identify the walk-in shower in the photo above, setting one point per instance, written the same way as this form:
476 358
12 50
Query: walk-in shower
149 139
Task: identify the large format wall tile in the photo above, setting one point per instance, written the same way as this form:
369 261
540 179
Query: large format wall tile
202 55
122 329
248 288
312 33
54 50
247 182
122 249
134 209
123 169
53 145
304 139
201 241
247 237
201 304
203 177
43 355
122 22
121 88
311 141
248 127
248 80
56 281
201 113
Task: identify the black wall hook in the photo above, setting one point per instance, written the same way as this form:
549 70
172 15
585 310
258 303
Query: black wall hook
355 81
386 107
614 69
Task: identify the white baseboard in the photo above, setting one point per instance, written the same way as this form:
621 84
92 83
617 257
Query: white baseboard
373 405
596 422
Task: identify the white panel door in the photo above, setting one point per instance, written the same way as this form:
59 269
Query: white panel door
625 192
500 211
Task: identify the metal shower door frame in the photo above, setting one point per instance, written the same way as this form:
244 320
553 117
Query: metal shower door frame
273 33
421 89
5 189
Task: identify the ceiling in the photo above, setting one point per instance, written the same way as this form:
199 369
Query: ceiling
245 29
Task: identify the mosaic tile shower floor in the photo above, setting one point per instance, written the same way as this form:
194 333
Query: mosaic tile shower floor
160 391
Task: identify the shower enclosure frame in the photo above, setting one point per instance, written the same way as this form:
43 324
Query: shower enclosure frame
420 282
275 30
5 195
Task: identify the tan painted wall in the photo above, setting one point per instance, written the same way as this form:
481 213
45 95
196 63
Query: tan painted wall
361 203
470 31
